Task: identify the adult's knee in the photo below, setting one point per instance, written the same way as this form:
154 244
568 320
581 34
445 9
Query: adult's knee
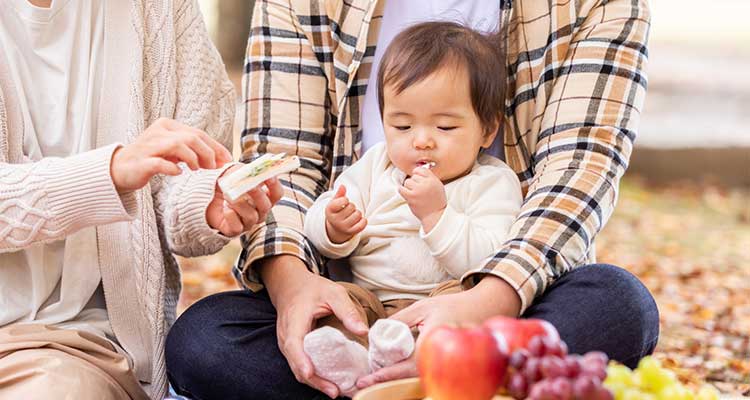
604 307
190 350
51 374
225 346
198 354
630 313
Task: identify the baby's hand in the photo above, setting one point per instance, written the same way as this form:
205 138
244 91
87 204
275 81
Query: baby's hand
425 195
343 220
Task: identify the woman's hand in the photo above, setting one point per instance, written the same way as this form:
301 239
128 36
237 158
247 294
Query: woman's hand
233 218
491 296
158 150
300 299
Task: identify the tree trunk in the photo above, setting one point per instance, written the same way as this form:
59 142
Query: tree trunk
232 30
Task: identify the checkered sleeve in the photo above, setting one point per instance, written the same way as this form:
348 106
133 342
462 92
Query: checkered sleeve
287 110
596 82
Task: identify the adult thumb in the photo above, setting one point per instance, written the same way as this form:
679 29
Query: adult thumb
412 316
345 310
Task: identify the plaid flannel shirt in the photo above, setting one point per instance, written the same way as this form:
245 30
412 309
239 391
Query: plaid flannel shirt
576 89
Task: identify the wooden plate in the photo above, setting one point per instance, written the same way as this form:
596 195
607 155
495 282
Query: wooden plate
410 389
402 389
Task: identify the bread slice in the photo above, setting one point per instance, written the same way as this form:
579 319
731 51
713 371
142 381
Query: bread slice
256 172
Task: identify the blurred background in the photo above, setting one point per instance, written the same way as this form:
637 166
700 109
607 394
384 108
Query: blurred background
682 224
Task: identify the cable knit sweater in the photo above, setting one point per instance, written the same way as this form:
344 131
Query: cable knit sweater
159 62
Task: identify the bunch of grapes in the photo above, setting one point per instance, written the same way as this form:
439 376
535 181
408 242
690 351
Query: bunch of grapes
545 371
650 381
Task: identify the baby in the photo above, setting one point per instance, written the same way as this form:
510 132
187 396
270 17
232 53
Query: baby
426 207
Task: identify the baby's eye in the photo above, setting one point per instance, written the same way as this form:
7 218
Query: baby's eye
447 128
403 127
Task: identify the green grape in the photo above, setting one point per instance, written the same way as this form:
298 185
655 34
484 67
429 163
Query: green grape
650 381
675 392
651 377
617 389
632 394
619 374
707 392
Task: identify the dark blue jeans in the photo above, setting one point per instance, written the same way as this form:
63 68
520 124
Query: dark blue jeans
224 346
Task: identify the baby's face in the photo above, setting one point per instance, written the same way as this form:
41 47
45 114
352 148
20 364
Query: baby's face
433 121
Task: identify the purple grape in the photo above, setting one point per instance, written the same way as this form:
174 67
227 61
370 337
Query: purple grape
554 346
518 388
596 357
604 394
518 359
552 367
536 346
542 391
537 390
561 388
572 366
586 387
564 347
595 370
531 370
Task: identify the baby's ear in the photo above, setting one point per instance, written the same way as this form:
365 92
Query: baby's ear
489 137
491 132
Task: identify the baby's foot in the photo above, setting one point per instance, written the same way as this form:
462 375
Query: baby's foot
336 358
391 341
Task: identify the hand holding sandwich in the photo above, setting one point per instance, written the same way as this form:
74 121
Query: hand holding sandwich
234 217
246 192
166 143
343 220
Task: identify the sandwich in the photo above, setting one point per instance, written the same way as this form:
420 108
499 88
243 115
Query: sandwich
255 173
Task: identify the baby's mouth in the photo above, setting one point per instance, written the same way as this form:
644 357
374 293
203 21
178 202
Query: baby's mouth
426 164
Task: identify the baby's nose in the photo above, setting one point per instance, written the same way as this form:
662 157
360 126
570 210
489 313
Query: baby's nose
423 140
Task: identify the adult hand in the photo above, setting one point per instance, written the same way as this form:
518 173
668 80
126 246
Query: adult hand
425 195
343 220
491 296
300 299
158 150
233 218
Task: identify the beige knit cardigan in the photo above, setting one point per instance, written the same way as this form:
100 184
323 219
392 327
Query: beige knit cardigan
159 62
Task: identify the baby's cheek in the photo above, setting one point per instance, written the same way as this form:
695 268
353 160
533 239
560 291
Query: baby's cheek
397 156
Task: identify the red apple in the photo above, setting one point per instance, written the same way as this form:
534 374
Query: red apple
461 363
518 332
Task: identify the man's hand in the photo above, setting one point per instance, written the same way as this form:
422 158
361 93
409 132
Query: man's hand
491 296
233 218
425 195
300 299
158 150
343 220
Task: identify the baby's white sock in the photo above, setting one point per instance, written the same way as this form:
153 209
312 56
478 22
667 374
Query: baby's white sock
336 358
391 341
343 361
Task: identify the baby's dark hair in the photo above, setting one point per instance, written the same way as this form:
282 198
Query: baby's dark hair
420 50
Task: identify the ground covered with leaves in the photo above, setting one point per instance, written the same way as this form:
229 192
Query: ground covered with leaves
687 242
